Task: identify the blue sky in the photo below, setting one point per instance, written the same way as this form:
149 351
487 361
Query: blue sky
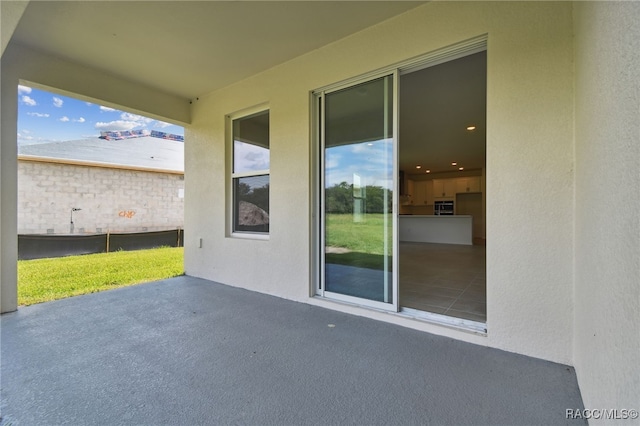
48 117
370 161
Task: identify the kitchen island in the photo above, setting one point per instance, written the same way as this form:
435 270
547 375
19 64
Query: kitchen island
455 229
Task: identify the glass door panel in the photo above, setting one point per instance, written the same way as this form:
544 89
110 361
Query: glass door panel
358 183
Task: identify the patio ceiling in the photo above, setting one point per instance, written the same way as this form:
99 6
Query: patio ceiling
190 48
187 49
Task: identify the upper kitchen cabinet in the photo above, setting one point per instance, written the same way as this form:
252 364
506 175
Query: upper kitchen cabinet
423 193
418 193
444 188
468 184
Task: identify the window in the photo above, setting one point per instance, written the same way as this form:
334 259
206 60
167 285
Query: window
250 173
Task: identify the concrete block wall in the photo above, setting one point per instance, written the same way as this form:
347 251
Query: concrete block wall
110 199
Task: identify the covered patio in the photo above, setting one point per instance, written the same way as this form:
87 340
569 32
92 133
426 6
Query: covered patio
561 266
190 351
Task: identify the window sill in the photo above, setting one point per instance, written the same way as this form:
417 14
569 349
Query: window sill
249 236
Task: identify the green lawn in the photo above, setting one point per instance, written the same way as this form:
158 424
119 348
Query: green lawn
364 237
42 280
363 240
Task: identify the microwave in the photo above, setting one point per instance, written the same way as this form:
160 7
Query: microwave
443 208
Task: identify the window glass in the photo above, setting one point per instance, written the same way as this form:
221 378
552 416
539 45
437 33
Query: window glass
251 203
251 143
251 173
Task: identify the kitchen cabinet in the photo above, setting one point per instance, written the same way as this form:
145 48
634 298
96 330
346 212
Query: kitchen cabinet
409 192
444 188
468 184
426 192
423 193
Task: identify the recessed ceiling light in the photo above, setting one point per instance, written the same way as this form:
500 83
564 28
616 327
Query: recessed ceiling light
471 128
418 166
461 168
427 171
454 164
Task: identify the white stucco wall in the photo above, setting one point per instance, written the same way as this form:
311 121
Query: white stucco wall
607 255
529 174
8 188
111 199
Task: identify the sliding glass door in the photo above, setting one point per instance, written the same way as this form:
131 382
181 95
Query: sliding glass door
358 181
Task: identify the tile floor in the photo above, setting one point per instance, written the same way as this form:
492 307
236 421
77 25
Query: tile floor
447 279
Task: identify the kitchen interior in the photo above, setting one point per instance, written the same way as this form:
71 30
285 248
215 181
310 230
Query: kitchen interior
442 162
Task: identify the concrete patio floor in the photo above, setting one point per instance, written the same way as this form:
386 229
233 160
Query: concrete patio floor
187 351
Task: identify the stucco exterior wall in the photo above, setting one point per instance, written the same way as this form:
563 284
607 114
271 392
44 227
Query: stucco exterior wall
8 188
112 200
529 174
607 256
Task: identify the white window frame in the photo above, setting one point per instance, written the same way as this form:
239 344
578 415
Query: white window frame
232 176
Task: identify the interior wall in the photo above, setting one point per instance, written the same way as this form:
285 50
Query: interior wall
607 244
529 167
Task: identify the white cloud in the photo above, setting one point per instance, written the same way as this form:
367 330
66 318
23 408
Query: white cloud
107 109
332 161
23 89
143 121
38 114
130 117
25 137
27 100
79 120
64 119
248 157
117 125
370 161
57 102
88 103
161 124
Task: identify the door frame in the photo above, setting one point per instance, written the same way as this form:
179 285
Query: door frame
445 54
318 237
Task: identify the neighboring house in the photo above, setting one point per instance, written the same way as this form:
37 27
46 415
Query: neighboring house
101 185
560 183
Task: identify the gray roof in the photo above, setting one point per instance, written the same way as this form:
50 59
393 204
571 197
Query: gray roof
145 152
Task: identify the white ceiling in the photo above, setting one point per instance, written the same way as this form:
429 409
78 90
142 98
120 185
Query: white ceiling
215 43
436 106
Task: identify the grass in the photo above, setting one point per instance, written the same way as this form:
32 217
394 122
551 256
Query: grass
364 237
363 240
43 280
